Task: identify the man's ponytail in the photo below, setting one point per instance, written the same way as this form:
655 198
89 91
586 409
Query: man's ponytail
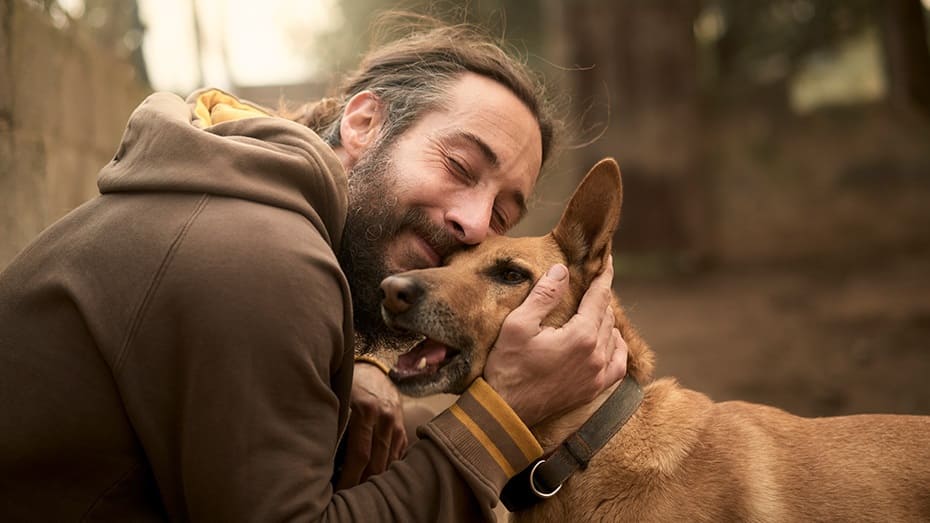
319 115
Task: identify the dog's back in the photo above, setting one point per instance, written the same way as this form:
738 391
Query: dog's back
683 457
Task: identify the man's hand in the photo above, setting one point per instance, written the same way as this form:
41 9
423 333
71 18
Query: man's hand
540 371
376 434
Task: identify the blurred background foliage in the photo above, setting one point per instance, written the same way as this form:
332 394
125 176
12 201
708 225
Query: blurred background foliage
696 98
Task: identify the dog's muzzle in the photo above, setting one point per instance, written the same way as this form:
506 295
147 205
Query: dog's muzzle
400 293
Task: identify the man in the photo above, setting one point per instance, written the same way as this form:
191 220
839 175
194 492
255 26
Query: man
182 346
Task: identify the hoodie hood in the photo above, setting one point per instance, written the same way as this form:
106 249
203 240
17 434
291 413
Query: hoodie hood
214 143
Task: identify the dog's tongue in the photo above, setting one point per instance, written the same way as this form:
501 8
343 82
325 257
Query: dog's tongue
425 358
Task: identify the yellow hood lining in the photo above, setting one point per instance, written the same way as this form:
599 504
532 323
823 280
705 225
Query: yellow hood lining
215 106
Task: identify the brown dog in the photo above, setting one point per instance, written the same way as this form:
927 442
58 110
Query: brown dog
681 457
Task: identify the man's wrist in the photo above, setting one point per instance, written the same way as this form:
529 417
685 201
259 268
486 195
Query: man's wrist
490 440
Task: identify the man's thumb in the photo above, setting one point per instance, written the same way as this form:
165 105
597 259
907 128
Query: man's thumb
545 294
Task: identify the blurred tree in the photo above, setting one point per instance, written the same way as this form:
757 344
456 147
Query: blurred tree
638 81
198 42
114 23
907 56
519 22
765 41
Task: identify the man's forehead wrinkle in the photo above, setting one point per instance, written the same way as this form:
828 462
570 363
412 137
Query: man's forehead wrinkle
486 150
447 137
500 131
487 128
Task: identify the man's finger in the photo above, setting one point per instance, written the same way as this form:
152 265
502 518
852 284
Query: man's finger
398 442
605 338
543 298
597 297
616 369
358 450
380 453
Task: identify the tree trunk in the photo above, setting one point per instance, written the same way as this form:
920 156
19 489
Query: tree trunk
642 86
907 56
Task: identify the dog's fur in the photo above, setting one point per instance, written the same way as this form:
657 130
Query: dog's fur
681 457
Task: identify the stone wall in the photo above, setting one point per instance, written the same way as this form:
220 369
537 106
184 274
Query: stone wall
63 104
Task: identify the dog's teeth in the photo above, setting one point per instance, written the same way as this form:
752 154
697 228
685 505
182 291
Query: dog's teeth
422 363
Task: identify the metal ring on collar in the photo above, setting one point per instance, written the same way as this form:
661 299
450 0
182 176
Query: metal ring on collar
535 490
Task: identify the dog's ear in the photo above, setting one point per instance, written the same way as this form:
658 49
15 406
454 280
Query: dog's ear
587 226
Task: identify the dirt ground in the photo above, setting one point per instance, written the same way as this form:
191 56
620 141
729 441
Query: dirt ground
814 341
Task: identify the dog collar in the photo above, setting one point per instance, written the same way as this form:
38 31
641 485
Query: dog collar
544 477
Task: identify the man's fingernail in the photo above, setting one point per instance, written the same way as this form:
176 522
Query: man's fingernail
557 272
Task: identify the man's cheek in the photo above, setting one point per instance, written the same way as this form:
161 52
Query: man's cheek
397 257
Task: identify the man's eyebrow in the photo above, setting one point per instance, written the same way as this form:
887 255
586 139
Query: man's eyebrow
492 159
482 146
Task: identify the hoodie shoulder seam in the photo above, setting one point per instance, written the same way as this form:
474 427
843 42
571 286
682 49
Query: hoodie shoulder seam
156 280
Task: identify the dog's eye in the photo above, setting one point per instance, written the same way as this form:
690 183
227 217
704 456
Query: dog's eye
507 272
511 276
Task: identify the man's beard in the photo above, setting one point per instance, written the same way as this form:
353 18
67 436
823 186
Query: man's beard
374 218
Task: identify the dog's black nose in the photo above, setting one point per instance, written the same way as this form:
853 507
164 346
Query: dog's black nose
400 293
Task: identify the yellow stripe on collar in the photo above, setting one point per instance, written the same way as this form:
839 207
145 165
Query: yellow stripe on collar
215 106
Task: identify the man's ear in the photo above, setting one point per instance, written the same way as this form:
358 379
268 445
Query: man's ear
361 124
587 226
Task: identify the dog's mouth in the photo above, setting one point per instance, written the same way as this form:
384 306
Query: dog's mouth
424 359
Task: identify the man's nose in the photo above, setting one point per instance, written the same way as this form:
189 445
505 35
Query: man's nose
470 220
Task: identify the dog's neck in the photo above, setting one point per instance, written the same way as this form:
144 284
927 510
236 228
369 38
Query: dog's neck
552 431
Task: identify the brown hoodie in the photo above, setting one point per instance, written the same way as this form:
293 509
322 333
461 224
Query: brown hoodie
180 347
